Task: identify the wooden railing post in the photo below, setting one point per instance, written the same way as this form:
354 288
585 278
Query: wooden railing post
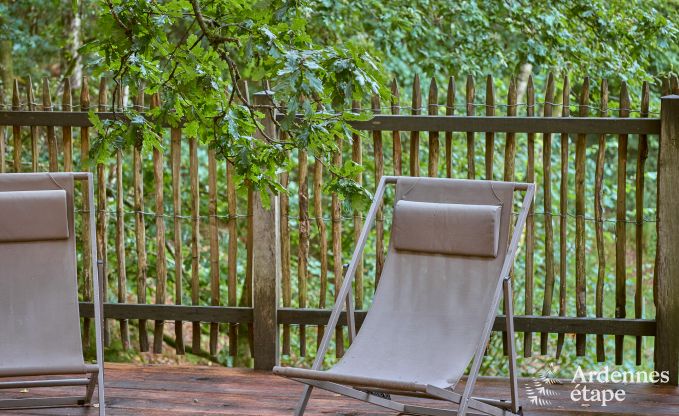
266 258
667 312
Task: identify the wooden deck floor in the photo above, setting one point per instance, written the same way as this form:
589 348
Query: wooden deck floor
183 390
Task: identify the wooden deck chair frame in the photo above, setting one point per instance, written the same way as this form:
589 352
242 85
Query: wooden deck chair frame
95 371
369 389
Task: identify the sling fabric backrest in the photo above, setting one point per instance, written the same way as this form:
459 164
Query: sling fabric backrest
429 309
40 327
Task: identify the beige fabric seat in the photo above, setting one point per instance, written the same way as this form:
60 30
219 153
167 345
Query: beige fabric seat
40 323
437 295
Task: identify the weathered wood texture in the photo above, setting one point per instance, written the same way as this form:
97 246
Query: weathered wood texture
415 135
490 136
337 248
621 226
102 215
598 218
195 237
642 155
16 129
161 260
86 275
530 222
322 240
303 247
214 244
286 284
155 390
450 110
379 218
547 204
176 157
471 168
395 134
580 259
266 263
357 157
563 209
414 123
667 313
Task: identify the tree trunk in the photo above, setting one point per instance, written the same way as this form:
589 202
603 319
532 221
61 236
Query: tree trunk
71 62
6 66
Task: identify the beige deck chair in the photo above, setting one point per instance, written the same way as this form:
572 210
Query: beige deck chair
437 298
39 316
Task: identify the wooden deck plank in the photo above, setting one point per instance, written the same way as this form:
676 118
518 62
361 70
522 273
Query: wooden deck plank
192 390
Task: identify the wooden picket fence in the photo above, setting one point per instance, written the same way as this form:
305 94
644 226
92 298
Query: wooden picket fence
170 232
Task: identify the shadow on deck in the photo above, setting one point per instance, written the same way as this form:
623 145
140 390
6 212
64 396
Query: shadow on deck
187 390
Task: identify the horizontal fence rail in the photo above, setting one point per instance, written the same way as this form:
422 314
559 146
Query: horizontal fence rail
180 236
479 124
309 316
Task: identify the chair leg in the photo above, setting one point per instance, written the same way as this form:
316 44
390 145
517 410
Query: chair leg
303 401
354 394
90 388
509 320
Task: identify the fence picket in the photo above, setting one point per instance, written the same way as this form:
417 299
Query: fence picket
16 129
549 232
322 240
642 155
580 230
31 106
84 165
471 169
120 236
102 216
285 252
509 168
563 209
120 248
176 160
246 297
337 247
598 219
450 110
67 131
415 135
510 145
395 134
140 237
161 263
530 221
490 136
433 163
214 244
232 255
378 155
195 239
621 226
357 157
51 138
303 247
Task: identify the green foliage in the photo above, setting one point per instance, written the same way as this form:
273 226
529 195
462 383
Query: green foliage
605 38
194 53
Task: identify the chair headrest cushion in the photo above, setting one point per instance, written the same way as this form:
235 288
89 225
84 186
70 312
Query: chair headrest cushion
452 229
33 216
